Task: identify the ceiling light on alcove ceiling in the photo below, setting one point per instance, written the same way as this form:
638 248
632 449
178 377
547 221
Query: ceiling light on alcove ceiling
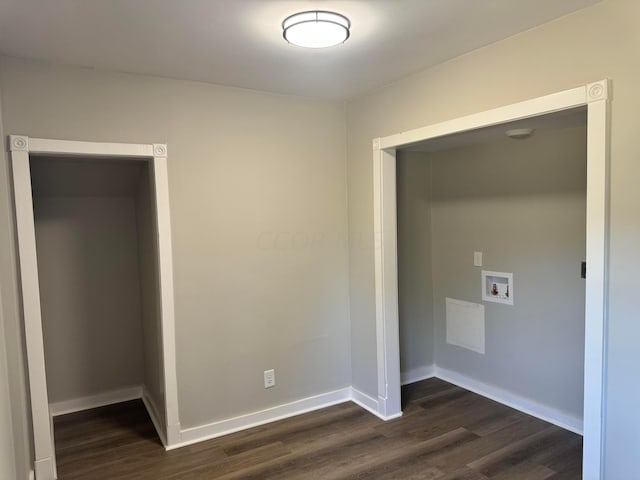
519 133
316 29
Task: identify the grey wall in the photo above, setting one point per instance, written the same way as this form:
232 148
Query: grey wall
7 450
259 223
415 289
239 216
149 281
97 254
594 43
523 204
90 294
16 371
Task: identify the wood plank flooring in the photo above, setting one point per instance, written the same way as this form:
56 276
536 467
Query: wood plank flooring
446 433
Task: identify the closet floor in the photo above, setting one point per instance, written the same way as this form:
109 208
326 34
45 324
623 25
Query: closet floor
446 433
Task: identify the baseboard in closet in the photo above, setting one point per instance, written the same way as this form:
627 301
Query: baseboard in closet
95 401
544 412
110 398
153 411
417 374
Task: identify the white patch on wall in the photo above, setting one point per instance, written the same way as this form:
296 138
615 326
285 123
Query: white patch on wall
465 324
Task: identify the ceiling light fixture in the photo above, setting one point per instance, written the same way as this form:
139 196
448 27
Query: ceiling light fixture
316 29
519 133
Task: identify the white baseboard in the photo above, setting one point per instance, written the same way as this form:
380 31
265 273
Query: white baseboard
201 433
224 427
95 401
365 401
152 410
543 412
44 469
382 407
417 374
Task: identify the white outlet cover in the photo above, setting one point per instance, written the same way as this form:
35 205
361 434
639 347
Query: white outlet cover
269 378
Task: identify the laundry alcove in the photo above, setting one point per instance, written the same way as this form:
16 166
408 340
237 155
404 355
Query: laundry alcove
522 205
96 273
595 97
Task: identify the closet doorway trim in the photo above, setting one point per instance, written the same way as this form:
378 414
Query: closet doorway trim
21 147
596 97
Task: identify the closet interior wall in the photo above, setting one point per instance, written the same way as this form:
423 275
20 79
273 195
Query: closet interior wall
523 204
95 241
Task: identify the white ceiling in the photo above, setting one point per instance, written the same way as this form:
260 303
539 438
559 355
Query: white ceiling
239 42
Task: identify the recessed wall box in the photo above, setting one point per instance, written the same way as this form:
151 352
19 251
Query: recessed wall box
497 287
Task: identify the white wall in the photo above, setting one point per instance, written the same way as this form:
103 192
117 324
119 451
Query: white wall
586 46
259 226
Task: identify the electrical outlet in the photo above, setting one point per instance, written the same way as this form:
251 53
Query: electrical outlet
269 378
477 259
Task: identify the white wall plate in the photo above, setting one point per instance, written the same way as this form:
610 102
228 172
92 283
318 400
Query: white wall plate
497 287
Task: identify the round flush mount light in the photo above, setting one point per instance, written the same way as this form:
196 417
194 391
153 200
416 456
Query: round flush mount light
519 133
316 29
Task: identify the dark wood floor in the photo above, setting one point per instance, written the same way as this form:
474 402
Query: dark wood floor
446 433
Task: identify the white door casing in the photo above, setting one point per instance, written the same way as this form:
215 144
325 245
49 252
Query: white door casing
20 148
596 98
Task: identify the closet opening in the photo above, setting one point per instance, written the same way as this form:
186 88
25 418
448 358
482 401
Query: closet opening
470 205
594 100
96 273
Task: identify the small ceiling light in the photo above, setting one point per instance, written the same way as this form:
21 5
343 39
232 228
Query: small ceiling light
519 133
316 29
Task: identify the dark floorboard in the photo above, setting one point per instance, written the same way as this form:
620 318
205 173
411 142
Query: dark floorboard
446 433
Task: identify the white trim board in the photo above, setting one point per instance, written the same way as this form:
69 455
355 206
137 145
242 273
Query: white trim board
299 407
418 374
112 397
544 412
152 410
363 400
231 425
20 148
95 401
370 404
228 426
596 97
